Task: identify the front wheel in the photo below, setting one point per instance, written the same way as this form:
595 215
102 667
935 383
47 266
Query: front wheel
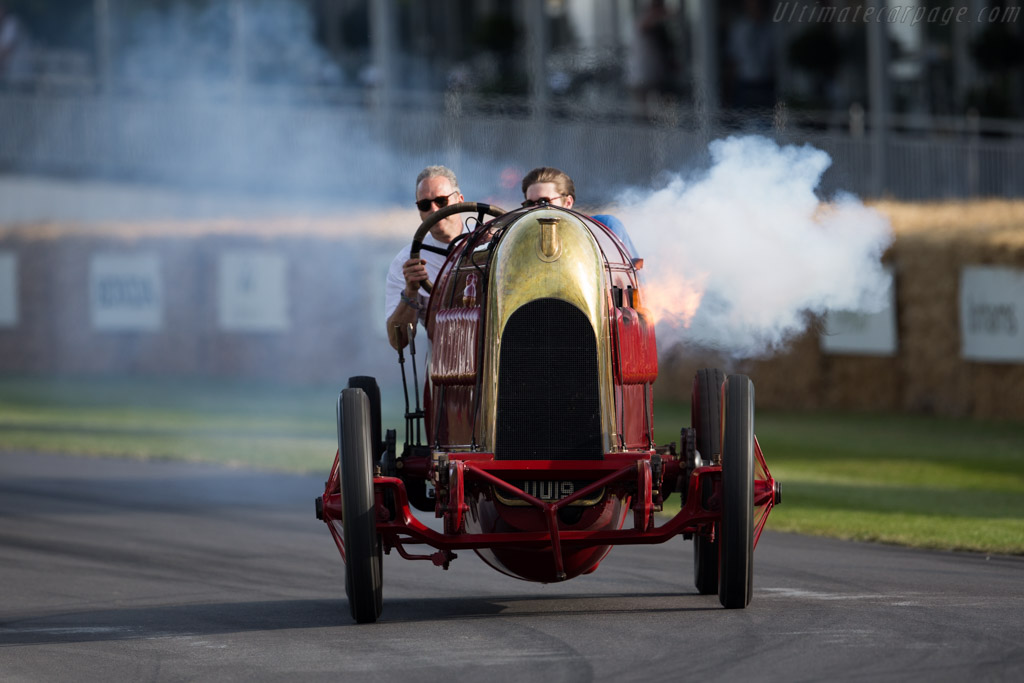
736 544
363 557
705 416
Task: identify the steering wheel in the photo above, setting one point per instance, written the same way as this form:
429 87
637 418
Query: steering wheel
439 215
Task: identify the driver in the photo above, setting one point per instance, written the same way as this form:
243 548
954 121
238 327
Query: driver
547 185
405 302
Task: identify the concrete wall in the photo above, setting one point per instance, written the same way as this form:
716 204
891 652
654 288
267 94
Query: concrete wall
331 325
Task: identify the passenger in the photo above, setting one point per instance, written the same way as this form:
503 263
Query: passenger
405 301
547 185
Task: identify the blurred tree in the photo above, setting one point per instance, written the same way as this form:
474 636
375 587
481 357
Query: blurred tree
999 52
997 48
56 23
818 52
355 28
500 39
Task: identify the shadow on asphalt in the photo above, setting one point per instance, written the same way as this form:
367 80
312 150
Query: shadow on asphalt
211 619
533 606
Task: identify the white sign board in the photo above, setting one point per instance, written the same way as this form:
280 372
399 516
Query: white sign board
862 334
8 289
992 313
253 291
126 292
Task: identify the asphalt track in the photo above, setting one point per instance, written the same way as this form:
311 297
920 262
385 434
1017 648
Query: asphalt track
116 570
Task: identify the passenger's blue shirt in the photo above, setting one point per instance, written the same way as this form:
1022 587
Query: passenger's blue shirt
616 226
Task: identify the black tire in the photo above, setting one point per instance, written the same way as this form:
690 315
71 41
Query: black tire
705 416
369 386
363 558
736 575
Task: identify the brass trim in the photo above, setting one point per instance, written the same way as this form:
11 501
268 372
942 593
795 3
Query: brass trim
518 276
550 246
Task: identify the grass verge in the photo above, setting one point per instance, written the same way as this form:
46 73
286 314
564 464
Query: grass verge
911 480
234 423
918 481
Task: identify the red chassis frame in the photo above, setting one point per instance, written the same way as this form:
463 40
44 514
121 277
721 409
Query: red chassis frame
631 472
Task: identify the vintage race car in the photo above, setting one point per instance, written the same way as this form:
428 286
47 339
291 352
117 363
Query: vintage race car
535 443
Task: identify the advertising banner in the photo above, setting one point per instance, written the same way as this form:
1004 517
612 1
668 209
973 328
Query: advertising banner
862 334
253 291
8 289
992 313
126 292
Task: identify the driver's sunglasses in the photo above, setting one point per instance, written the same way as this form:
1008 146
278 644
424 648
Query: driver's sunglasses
424 204
543 200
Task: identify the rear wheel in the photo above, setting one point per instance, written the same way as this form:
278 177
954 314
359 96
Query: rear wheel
363 558
705 416
736 571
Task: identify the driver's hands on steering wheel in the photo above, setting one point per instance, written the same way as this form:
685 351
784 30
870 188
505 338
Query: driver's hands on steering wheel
409 268
415 272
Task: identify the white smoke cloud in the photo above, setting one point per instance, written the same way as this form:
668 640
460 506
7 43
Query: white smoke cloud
755 240
221 109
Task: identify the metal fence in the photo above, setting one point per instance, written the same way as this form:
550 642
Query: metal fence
342 147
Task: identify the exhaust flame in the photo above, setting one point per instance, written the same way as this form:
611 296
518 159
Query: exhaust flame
674 300
739 254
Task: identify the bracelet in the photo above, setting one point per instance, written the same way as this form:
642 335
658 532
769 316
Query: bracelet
411 303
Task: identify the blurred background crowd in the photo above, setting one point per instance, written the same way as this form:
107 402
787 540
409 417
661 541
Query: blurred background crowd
882 85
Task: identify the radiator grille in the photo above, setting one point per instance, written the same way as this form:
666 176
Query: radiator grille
548 397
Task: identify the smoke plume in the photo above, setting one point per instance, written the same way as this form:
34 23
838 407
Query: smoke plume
737 255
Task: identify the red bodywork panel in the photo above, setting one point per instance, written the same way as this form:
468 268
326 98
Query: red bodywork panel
636 360
453 367
634 368
453 361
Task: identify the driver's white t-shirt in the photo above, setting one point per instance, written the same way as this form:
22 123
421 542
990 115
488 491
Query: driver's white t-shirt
396 282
